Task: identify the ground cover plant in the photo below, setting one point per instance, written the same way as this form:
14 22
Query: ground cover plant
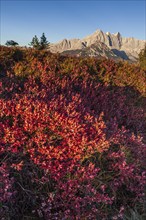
72 137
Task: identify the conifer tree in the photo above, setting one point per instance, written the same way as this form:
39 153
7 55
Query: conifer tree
43 42
39 45
35 42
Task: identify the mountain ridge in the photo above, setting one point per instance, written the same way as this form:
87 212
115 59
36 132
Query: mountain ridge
120 47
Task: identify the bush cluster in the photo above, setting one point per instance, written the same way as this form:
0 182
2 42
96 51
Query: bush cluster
72 137
142 58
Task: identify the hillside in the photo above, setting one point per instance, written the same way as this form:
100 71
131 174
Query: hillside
72 137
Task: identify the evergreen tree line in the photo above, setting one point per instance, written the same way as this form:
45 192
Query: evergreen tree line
35 43
39 44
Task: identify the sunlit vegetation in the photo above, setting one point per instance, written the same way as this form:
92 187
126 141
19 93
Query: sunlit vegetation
72 137
142 58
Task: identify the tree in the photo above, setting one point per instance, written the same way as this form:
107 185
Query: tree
142 58
11 43
35 42
43 42
40 45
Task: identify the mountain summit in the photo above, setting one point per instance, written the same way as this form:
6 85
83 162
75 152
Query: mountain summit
101 44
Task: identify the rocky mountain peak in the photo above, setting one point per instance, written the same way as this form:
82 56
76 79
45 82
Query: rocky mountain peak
125 48
117 34
108 33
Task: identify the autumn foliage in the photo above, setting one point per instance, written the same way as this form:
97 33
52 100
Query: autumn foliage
72 136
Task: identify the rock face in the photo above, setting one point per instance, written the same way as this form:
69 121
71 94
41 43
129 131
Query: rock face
101 44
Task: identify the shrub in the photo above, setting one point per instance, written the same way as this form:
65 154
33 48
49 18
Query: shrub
72 140
142 58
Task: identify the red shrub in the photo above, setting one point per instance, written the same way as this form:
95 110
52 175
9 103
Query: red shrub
70 147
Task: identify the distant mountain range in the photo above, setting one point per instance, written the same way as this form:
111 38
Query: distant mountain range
101 44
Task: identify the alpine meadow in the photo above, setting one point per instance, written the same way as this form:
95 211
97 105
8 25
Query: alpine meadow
72 136
72 112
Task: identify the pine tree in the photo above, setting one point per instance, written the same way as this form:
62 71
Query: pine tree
39 45
35 42
43 42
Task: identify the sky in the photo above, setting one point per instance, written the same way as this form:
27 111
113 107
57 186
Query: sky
20 20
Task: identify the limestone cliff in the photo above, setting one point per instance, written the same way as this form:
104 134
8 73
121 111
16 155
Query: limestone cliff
115 44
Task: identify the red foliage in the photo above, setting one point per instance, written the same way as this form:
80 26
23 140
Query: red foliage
70 146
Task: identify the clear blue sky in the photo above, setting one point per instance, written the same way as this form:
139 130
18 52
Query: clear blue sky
21 20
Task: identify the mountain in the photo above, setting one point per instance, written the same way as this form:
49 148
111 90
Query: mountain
101 44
